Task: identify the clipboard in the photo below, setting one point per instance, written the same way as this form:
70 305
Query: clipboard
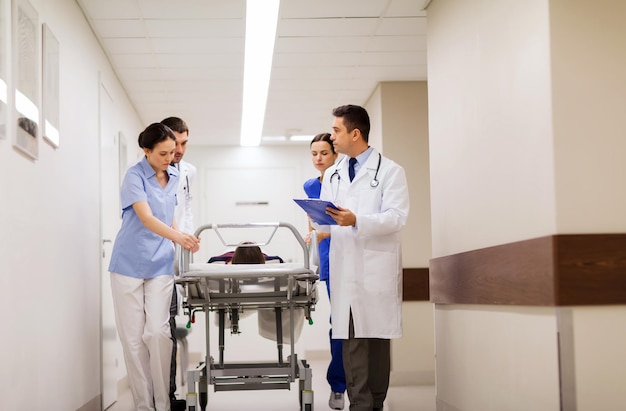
316 209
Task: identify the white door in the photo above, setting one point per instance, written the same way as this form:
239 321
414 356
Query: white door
111 357
240 195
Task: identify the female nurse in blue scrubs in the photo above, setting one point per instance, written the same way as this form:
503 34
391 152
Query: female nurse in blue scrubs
142 267
323 156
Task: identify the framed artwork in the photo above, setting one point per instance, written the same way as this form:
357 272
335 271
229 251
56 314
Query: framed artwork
50 66
26 53
4 64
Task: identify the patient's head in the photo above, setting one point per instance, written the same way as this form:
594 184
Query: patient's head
248 254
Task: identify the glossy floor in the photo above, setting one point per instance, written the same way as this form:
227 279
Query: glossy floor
399 398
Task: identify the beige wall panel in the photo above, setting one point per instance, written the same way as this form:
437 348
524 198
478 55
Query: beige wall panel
491 141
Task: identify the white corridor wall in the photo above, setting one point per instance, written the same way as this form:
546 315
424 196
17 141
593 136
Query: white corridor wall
50 239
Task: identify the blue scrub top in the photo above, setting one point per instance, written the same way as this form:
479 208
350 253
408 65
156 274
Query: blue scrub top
312 188
137 251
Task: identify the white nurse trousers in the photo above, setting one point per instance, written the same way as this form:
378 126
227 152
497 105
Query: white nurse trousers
142 313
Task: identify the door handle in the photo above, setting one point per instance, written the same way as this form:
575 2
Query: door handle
104 241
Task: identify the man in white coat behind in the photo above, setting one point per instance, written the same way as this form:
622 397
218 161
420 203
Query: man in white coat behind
183 218
182 214
365 256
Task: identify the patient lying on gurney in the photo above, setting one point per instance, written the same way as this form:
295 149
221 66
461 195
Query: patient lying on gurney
248 253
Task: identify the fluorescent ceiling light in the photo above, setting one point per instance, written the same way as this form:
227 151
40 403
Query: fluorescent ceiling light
261 21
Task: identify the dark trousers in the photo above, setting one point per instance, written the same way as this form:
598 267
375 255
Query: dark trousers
367 363
335 375
173 312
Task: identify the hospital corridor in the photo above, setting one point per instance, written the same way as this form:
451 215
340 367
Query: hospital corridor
252 345
453 169
400 398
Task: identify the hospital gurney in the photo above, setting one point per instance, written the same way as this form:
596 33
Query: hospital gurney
286 288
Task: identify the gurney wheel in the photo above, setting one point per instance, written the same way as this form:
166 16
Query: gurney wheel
308 406
306 397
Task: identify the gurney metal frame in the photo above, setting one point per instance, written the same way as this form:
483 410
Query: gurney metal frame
222 288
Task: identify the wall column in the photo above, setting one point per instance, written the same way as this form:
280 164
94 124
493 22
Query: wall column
399 118
528 192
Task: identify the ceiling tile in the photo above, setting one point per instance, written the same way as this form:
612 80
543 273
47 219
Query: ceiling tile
191 9
399 26
317 44
397 43
185 58
196 28
120 28
298 9
407 8
111 9
205 60
138 45
341 27
197 45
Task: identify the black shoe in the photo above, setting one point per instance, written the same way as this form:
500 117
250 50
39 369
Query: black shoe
178 405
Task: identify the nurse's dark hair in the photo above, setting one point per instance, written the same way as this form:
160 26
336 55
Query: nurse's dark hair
176 124
248 253
354 117
323 137
154 134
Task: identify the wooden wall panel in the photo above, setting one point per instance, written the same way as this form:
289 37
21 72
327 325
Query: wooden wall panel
568 269
415 284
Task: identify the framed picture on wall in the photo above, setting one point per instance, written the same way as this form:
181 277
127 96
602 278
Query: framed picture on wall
51 99
26 77
4 62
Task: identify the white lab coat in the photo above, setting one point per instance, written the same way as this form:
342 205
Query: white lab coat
182 212
366 260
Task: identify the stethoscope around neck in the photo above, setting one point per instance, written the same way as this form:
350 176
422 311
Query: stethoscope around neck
186 187
374 183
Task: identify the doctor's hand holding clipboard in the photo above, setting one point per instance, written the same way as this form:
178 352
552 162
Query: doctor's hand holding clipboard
341 216
316 210
326 212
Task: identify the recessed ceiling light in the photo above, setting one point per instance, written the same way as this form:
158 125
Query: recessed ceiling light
261 21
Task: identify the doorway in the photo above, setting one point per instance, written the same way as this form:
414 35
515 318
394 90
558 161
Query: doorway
112 360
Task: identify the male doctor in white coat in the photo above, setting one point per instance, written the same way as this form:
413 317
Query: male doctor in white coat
183 218
365 256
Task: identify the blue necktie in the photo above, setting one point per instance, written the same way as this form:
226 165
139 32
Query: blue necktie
351 168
